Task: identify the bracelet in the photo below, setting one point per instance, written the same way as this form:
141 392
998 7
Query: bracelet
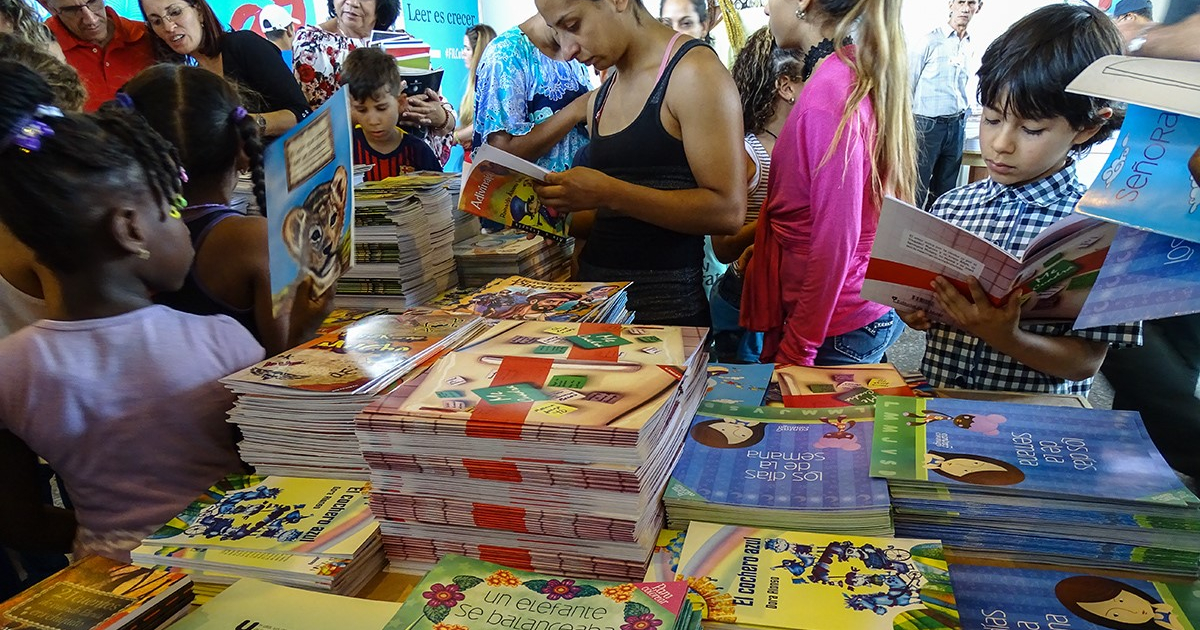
736 268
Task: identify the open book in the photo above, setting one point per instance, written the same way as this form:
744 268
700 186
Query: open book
500 188
1055 276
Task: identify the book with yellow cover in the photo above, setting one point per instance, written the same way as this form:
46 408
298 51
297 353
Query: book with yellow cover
253 604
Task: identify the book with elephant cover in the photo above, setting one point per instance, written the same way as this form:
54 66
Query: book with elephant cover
1028 451
310 204
466 594
776 578
500 188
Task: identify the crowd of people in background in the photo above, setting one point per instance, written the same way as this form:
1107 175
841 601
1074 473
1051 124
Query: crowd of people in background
744 200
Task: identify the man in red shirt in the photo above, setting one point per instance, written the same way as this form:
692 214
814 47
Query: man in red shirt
106 49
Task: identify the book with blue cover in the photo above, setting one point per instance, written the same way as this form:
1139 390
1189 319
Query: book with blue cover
1146 276
738 384
774 465
1012 597
1026 450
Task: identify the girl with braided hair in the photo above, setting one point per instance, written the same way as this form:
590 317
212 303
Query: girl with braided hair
200 113
118 394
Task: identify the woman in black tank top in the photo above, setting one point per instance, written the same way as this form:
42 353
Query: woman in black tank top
665 165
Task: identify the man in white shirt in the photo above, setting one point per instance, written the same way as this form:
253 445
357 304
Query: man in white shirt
940 67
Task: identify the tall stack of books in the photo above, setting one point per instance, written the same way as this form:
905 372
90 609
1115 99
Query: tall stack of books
404 231
543 446
487 257
99 593
296 410
316 534
1050 485
524 298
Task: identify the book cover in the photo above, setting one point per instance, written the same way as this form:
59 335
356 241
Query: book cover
807 581
418 80
92 594
664 560
318 568
1012 597
310 202
738 384
465 594
250 604
512 244
774 457
339 317
912 247
849 385
516 297
1146 276
1092 454
1145 182
500 188
1163 84
354 357
314 517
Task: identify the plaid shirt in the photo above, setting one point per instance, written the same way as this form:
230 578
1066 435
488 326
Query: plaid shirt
940 69
1010 217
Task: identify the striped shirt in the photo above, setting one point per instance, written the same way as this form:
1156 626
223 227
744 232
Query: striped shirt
940 68
762 173
411 155
1010 217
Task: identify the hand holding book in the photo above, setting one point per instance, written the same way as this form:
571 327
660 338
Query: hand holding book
575 190
976 314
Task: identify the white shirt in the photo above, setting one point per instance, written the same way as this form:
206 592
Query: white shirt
940 68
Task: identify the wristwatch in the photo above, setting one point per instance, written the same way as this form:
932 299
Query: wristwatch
262 124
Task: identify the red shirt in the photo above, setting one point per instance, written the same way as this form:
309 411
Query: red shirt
105 69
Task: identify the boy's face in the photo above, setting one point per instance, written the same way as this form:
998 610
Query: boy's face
1019 151
378 114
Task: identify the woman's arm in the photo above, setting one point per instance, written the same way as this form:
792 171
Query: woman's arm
258 63
28 523
543 136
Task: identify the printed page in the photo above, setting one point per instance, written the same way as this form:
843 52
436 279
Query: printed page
1164 84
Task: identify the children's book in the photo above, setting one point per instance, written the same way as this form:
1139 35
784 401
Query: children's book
311 517
738 384
664 560
1034 451
1146 276
1054 277
250 604
1015 597
466 594
361 357
340 317
418 80
96 593
806 581
310 203
516 297
849 385
500 188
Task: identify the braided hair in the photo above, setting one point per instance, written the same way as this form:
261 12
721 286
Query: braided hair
54 162
198 112
756 71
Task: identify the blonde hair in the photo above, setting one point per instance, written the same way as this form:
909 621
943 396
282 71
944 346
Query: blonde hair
480 35
880 65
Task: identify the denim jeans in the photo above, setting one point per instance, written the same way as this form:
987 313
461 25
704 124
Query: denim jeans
865 345
734 344
940 141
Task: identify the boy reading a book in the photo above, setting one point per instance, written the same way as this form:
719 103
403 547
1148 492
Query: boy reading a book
1030 131
376 101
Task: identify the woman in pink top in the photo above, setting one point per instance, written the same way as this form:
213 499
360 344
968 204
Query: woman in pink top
831 169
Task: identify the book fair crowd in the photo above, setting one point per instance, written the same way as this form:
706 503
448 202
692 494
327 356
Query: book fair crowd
736 200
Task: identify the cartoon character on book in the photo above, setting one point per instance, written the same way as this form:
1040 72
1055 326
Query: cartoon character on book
979 470
530 211
539 306
313 233
490 304
987 424
1112 604
729 433
840 437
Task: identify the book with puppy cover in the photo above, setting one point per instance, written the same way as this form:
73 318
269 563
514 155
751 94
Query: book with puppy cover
776 578
464 594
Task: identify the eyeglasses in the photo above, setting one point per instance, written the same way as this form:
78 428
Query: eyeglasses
95 7
170 14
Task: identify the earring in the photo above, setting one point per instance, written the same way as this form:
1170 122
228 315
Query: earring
801 14
791 100
143 254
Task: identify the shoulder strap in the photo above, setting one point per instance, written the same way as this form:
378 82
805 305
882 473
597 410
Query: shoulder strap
664 77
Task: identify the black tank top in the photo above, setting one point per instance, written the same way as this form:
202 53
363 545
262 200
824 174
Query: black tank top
193 297
665 266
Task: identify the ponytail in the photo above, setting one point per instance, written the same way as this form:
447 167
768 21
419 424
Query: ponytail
252 146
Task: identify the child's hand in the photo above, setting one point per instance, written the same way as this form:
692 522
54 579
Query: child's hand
579 188
916 320
977 315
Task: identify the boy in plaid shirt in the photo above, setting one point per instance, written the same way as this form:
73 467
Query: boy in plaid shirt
1030 130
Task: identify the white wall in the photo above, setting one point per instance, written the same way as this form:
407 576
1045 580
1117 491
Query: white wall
505 14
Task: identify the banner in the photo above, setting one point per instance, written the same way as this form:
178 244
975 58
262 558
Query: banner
240 15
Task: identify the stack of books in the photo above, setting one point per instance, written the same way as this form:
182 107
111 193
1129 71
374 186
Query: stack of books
316 534
296 410
251 604
746 577
1049 485
403 236
528 299
542 446
487 257
465 593
99 593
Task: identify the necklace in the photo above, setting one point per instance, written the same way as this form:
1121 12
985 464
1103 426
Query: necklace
816 54
770 133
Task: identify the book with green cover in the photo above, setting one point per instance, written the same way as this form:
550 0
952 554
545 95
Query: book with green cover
807 581
254 604
466 594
